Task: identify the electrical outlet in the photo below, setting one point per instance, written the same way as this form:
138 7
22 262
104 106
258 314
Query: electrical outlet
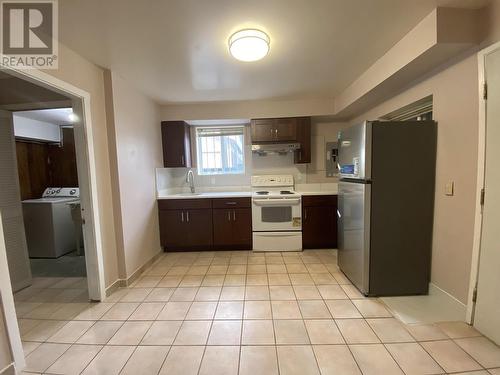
449 188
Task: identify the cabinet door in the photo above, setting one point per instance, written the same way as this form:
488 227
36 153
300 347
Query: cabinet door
176 143
286 130
304 138
172 228
319 227
199 229
223 228
242 228
263 130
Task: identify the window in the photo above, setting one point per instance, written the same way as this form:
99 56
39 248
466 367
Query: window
220 150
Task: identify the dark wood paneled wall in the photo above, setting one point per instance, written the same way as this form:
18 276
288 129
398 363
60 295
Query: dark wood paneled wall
41 165
63 172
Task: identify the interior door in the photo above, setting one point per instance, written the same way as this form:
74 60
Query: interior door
487 312
10 206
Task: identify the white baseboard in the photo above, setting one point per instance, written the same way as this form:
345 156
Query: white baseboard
120 283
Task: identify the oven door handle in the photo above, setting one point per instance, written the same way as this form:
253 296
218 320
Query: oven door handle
277 202
277 234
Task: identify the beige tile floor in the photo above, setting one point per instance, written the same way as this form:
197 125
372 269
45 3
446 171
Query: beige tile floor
218 313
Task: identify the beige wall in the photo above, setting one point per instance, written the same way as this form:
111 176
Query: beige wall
138 153
247 109
79 72
456 104
321 133
456 101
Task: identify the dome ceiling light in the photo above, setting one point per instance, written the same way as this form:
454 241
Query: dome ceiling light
249 45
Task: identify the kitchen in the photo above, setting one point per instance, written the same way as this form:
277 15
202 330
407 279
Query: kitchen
281 212
316 210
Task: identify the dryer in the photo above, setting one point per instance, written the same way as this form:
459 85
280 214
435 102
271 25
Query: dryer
49 226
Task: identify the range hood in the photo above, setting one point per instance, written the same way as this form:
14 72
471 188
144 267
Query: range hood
274 148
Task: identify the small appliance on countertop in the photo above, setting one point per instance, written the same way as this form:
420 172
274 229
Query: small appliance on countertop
276 214
48 221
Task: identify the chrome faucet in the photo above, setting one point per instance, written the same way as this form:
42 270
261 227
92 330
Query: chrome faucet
190 180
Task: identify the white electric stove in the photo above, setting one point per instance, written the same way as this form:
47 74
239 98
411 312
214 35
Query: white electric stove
276 214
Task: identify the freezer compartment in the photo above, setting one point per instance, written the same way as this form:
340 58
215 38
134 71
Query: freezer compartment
355 152
354 232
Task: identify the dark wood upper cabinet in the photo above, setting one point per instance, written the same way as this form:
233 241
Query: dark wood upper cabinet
262 130
274 130
303 155
286 129
176 142
319 222
282 130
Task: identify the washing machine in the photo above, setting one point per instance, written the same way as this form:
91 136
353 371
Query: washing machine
50 229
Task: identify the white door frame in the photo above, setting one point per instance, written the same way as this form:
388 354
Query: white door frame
481 160
87 175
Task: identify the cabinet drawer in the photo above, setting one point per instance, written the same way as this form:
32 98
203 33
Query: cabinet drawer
184 204
319 200
231 202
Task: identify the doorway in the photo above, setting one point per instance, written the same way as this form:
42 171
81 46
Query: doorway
27 94
484 306
50 194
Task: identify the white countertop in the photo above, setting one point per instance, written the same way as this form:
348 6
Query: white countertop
224 192
242 191
330 188
210 194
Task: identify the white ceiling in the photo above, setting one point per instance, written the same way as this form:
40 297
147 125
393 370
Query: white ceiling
56 116
176 50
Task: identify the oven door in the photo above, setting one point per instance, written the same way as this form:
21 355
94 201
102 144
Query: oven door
276 214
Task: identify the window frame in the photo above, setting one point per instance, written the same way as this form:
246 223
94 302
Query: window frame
199 150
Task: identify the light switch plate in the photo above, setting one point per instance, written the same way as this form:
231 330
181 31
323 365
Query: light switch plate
449 188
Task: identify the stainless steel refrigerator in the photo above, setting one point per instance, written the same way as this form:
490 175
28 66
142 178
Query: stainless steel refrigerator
386 205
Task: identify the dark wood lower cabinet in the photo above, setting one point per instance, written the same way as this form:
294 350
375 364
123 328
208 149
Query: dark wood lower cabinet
186 229
319 222
232 228
192 224
199 229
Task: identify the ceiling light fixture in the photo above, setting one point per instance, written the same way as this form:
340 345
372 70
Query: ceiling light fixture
249 45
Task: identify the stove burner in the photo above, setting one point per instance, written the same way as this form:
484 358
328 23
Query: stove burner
285 192
262 192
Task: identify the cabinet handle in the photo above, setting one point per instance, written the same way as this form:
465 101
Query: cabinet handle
234 215
305 214
182 159
231 203
228 216
182 216
187 216
300 155
276 132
